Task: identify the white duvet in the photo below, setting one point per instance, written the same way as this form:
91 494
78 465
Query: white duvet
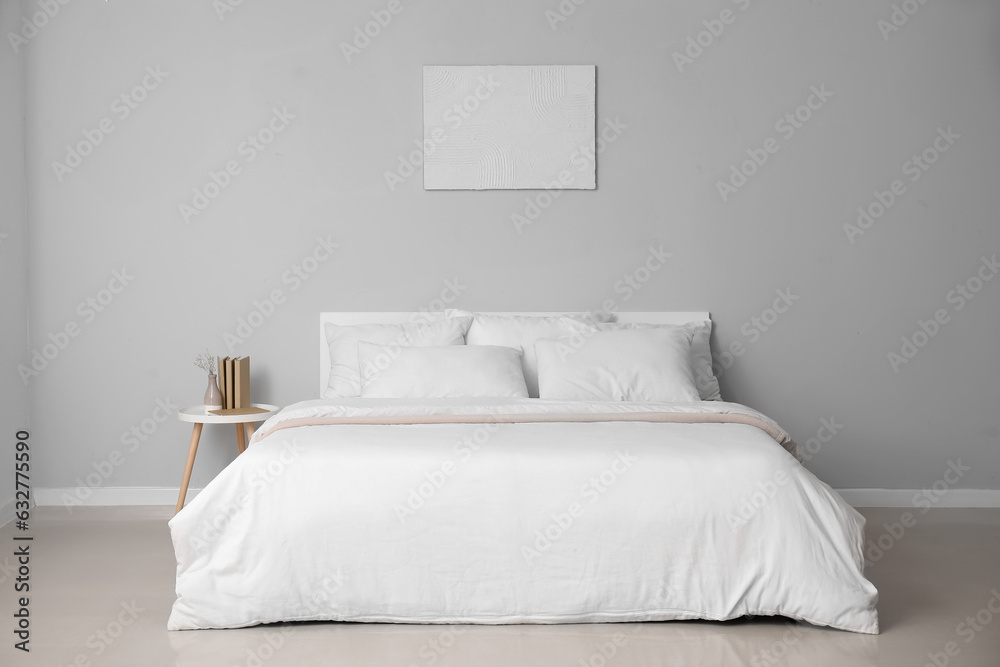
530 513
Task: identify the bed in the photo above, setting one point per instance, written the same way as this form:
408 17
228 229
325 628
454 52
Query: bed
518 468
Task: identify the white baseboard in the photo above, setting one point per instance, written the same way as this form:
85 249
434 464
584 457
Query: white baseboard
114 495
906 497
135 495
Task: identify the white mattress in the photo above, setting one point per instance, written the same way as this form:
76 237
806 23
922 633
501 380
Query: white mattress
541 522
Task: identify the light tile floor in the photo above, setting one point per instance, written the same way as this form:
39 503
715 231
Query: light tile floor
102 585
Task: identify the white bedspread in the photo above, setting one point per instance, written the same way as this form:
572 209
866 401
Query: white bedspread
537 522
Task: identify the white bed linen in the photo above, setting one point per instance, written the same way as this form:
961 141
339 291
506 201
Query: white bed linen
441 523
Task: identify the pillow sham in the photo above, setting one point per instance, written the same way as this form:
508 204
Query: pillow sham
521 332
649 365
457 371
345 378
701 353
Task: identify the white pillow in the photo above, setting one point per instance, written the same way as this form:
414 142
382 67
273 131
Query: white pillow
701 353
392 371
521 332
625 365
345 379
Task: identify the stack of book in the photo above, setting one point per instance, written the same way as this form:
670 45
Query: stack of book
234 383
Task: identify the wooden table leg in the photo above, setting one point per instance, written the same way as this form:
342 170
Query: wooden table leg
250 428
241 438
192 451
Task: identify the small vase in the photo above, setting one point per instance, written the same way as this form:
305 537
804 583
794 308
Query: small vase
213 397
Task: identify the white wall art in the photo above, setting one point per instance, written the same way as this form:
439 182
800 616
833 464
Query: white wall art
509 127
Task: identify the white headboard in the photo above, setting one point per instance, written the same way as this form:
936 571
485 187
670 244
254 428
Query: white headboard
404 317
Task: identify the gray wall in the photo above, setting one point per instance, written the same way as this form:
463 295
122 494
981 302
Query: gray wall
686 126
13 258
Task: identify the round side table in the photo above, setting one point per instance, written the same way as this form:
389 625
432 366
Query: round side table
199 416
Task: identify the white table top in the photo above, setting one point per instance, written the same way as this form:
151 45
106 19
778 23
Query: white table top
199 414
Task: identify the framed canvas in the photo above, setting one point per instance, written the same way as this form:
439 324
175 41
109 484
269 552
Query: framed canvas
509 127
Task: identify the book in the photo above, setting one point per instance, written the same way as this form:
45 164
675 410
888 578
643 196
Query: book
230 389
221 373
241 383
238 411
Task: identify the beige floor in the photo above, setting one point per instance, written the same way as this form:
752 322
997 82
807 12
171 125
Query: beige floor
102 585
